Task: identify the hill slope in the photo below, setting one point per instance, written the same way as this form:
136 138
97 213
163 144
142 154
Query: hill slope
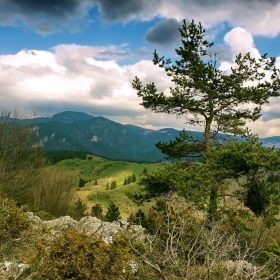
80 131
101 136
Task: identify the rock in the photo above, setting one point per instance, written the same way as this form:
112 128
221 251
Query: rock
12 270
137 232
107 230
90 225
34 219
48 230
62 223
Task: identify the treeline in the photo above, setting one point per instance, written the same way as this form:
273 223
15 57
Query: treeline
129 180
56 156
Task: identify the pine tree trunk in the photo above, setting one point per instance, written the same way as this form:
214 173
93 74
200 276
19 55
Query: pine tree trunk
207 136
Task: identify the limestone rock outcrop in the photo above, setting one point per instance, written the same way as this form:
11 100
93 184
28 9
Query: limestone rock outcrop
53 228
90 225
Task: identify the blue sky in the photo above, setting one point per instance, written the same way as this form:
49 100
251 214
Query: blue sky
82 55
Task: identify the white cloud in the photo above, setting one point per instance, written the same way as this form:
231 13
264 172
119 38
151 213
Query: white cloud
76 77
241 41
257 16
32 57
89 79
108 65
238 40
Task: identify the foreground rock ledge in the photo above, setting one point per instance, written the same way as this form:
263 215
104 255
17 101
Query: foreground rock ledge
89 225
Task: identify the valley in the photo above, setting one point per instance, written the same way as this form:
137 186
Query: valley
99 173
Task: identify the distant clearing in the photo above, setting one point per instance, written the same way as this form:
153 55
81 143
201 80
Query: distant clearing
105 172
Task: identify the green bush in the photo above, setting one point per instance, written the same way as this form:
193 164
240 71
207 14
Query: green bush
54 194
76 256
12 220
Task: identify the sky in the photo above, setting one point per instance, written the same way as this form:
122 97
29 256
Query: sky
82 55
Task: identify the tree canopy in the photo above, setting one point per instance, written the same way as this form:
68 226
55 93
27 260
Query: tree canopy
221 101
206 95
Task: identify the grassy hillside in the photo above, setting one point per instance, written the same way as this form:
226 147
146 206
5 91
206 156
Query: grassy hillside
105 172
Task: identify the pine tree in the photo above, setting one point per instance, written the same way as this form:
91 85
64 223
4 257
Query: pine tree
96 211
113 185
206 95
82 182
79 209
113 213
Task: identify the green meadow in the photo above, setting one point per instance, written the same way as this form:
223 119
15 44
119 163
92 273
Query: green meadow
103 172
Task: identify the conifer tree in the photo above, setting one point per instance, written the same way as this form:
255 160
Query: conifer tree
129 180
96 211
79 209
206 95
82 182
113 213
133 178
113 185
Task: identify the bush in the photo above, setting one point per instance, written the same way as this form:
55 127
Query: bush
54 194
74 255
21 158
139 218
12 220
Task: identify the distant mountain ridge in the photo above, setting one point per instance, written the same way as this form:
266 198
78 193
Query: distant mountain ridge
65 117
80 131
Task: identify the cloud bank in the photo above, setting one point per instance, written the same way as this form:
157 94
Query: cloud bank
90 79
47 16
79 78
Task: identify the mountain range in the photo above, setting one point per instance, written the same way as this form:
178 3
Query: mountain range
80 131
